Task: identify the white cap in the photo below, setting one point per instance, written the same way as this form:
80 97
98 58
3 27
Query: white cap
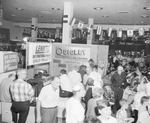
120 68
76 88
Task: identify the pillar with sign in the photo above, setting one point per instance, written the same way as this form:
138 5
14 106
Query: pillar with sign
1 13
90 31
34 27
67 28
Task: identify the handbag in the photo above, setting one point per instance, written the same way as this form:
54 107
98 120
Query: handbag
64 93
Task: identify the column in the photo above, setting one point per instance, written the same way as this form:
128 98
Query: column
34 28
67 29
90 34
1 13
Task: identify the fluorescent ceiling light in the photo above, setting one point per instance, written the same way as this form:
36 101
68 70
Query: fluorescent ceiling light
98 8
105 16
123 12
144 16
19 9
146 8
46 12
13 15
56 9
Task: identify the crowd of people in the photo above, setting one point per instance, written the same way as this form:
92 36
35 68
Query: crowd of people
87 94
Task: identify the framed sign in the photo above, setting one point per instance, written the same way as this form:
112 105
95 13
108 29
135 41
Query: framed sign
71 54
38 53
10 61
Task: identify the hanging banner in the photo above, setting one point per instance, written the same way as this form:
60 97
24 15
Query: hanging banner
38 53
73 21
10 61
109 32
71 54
120 33
80 25
129 33
90 27
141 31
99 30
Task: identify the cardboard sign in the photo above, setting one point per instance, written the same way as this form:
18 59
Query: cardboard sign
10 61
39 53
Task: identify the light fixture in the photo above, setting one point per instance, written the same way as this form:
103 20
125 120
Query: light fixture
123 12
146 8
144 16
26 39
19 9
40 16
56 9
105 16
98 8
141 22
13 15
46 12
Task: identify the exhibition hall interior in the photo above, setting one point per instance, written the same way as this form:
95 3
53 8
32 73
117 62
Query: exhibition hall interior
45 41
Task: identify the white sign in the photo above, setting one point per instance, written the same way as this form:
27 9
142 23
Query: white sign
70 53
39 53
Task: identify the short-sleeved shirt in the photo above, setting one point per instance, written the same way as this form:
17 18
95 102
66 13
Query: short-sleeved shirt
75 77
110 120
74 111
144 117
49 97
21 91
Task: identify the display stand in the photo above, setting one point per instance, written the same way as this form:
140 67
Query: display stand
8 65
66 56
38 57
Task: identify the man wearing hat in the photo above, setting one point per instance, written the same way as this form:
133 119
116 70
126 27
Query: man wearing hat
119 83
74 109
104 110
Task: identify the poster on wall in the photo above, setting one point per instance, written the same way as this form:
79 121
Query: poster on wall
10 62
68 56
38 53
72 55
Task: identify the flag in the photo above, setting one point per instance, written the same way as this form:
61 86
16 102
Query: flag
101 36
80 25
130 33
99 30
109 32
72 22
120 33
32 27
65 18
141 31
90 27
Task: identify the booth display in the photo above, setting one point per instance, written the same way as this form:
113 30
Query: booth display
9 61
8 65
38 57
66 56
38 53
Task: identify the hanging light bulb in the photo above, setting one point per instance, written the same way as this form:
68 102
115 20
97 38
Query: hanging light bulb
26 39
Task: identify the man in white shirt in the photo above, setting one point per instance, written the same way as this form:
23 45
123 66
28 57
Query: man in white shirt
74 109
74 76
105 112
96 77
65 82
47 102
